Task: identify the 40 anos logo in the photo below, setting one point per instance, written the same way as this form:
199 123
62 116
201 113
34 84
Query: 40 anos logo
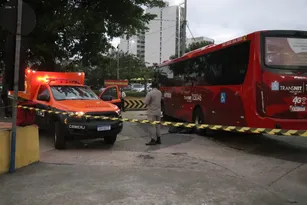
299 100
196 97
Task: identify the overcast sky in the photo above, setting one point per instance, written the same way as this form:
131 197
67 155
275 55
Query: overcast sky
223 20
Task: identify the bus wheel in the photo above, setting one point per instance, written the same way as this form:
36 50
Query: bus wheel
198 118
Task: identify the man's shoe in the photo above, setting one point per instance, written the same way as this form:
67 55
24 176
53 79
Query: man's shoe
152 142
158 141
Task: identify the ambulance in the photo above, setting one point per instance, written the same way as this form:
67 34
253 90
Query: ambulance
58 92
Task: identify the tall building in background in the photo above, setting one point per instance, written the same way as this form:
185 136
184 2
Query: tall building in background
163 38
198 39
134 45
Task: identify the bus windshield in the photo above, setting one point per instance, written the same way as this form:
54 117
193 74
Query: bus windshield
282 52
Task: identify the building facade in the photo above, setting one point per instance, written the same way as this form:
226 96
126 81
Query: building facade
134 45
163 38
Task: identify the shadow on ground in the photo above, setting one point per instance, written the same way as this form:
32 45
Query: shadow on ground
123 143
280 147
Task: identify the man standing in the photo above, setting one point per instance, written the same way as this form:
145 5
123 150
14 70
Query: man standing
122 97
153 103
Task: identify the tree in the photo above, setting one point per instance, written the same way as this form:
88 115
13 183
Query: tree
130 66
67 29
2 46
193 46
196 45
173 56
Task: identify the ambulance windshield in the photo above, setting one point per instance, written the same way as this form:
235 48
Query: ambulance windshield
73 93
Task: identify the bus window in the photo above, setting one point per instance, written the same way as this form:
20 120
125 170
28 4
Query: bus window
224 67
165 76
179 70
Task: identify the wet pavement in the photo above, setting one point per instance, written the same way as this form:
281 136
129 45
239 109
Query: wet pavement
218 169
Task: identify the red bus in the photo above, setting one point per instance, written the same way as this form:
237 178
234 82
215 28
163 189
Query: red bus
258 80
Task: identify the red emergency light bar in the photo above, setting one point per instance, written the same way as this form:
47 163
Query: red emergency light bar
61 77
62 80
33 79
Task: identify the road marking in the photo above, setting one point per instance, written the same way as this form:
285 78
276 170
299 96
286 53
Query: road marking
122 138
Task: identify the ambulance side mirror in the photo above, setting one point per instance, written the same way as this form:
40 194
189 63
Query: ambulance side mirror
45 98
106 98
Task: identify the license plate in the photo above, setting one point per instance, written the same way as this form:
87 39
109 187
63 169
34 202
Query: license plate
103 128
298 108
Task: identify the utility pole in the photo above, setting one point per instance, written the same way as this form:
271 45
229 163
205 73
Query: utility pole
161 26
16 78
184 26
179 32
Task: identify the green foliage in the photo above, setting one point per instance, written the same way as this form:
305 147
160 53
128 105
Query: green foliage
135 94
106 69
173 56
96 92
128 94
191 47
2 45
81 29
196 45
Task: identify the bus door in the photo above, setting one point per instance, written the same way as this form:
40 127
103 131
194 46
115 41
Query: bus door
227 107
169 98
112 95
172 99
228 71
185 104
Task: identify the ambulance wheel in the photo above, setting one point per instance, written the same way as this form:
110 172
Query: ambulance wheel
198 118
110 140
59 138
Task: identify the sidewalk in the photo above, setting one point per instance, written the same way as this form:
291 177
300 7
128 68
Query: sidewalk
141 115
5 123
185 169
109 178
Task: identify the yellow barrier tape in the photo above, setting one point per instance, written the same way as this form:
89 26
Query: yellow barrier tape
274 131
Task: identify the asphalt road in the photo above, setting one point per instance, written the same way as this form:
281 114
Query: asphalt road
218 169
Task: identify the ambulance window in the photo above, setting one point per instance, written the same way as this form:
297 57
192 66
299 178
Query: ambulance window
43 90
112 91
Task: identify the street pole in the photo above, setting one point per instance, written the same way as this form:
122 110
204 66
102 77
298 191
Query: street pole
16 78
184 26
